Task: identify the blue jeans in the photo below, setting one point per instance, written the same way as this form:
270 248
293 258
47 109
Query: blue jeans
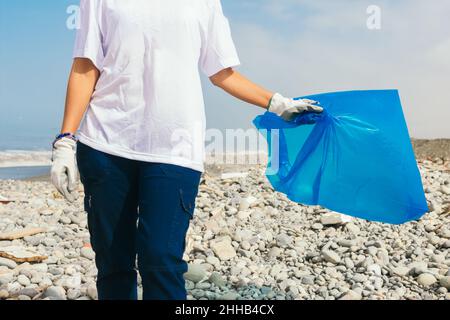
140 210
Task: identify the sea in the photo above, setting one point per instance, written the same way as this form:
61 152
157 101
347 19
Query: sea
25 154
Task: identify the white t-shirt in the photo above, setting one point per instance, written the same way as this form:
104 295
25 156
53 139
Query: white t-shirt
148 102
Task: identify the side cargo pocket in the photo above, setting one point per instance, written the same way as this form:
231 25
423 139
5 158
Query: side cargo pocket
181 220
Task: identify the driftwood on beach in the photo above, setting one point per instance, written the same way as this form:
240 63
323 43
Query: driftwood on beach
13 235
20 255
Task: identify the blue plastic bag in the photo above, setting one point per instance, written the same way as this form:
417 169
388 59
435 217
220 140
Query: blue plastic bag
354 158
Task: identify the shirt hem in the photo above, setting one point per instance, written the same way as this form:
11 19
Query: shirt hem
121 152
224 64
80 53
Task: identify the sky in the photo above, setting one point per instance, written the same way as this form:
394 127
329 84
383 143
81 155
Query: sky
295 47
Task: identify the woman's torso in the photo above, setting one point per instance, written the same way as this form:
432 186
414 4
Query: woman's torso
148 101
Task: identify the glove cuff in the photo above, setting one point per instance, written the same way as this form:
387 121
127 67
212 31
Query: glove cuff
64 135
65 142
278 104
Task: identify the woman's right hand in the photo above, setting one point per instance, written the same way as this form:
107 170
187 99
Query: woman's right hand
288 108
64 169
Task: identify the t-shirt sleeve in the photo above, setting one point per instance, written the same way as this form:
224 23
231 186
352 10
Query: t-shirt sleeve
88 40
218 49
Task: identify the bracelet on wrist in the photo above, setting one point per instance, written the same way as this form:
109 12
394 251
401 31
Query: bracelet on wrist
64 135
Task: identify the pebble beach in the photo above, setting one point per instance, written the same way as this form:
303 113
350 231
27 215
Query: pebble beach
245 242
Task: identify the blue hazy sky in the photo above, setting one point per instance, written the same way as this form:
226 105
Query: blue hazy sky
296 47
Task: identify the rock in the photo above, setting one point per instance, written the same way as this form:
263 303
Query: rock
40 267
246 203
347 243
245 245
70 270
73 294
426 279
4 294
50 242
445 190
87 298
359 277
195 273
372 250
274 252
383 257
198 293
6 277
418 267
87 253
331 256
223 248
352 228
55 293
189 285
212 226
349 263
442 290
438 258
45 282
30 292
375 269
243 215
230 295
46 212
401 271
351 295
203 285
92 291
213 261
333 218
7 263
308 279
317 226
445 282
72 282
65 220
56 271
23 280
217 279
283 240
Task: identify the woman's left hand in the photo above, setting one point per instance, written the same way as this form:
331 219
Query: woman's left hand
64 169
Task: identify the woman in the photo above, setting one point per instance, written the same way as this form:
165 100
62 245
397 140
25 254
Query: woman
140 147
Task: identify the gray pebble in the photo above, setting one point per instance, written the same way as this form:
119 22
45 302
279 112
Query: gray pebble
56 293
7 263
23 280
195 273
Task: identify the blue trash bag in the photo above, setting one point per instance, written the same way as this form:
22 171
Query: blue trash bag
355 158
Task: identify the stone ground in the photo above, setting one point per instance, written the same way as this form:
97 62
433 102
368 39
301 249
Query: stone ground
245 242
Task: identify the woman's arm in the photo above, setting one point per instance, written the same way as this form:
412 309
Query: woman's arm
82 80
240 87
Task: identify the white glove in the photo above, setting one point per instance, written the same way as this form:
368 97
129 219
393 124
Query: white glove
288 108
64 169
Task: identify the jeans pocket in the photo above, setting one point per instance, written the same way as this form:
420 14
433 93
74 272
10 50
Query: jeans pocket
187 202
181 220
